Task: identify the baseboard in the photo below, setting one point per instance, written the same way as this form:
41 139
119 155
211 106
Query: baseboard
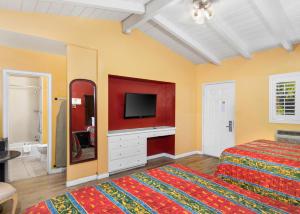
174 157
81 180
86 179
106 175
158 156
183 155
57 170
101 176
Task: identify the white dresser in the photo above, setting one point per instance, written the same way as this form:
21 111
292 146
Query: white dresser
128 148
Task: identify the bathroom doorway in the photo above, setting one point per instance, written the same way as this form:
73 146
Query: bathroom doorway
27 122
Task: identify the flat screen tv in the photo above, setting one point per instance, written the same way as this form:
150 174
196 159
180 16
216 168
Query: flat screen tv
140 105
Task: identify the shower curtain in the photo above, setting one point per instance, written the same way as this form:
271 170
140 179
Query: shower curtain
61 136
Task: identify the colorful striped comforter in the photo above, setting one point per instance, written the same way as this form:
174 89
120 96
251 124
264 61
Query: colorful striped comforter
170 189
266 167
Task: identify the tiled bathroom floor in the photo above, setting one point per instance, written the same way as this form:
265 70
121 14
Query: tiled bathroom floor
26 167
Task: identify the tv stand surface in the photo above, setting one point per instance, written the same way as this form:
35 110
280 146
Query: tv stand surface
140 130
128 147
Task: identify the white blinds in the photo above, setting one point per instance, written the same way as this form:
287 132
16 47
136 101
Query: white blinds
286 98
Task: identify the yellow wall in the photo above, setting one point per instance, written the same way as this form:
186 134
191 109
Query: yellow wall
18 59
135 55
252 90
82 64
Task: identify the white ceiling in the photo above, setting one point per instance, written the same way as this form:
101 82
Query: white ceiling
239 27
66 8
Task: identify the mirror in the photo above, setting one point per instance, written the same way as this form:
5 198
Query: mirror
83 121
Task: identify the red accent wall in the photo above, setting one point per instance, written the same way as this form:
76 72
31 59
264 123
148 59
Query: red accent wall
159 145
79 89
165 109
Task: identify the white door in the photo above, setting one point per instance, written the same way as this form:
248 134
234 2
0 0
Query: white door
218 118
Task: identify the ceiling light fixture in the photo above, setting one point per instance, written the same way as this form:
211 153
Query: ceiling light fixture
202 11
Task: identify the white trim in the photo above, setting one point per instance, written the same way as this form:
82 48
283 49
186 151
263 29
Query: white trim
183 155
174 157
81 180
6 73
106 175
202 88
160 156
203 109
86 179
102 176
5 125
41 109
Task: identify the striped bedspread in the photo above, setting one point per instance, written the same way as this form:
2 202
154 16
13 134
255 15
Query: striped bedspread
266 167
170 189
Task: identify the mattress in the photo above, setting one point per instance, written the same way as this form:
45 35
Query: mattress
170 189
265 167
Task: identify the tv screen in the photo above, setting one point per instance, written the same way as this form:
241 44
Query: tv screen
140 105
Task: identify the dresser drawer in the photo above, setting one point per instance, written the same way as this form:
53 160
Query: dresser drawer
126 163
124 138
116 154
127 143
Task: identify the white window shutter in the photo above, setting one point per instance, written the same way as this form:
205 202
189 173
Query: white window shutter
284 98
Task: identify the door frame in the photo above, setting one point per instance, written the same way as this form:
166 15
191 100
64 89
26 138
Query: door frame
203 87
5 80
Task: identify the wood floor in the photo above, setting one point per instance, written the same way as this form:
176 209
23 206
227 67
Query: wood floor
33 190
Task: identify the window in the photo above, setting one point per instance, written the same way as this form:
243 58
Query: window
285 98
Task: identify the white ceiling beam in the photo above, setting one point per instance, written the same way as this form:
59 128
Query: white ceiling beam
186 39
232 39
152 9
114 5
275 19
